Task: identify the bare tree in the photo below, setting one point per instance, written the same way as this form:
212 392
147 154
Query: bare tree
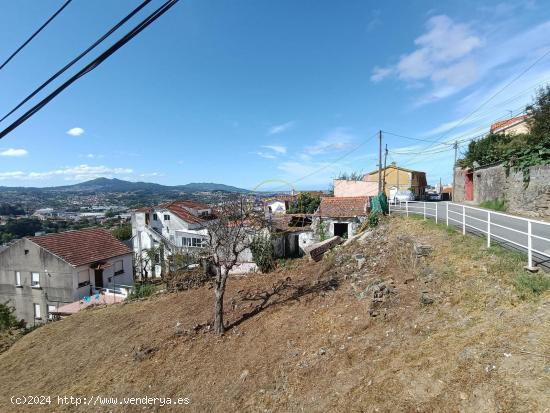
228 237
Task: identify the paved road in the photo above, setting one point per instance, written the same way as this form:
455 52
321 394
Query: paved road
509 231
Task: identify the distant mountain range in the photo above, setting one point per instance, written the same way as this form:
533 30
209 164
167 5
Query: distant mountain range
119 185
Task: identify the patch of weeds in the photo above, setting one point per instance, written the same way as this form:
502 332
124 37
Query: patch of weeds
494 204
448 272
141 291
531 285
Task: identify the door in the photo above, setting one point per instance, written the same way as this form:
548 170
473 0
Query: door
341 230
469 186
98 278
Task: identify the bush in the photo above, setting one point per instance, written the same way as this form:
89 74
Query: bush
494 204
141 291
374 218
123 232
7 318
262 252
531 284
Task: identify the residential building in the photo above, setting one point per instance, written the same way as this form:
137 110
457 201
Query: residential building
279 204
352 188
513 126
40 274
397 178
178 226
340 216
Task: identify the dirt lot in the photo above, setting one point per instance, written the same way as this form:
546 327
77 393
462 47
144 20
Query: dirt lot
443 332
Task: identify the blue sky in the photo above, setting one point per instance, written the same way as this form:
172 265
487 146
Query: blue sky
244 91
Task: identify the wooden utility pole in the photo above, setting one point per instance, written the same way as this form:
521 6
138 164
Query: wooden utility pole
379 161
385 160
454 165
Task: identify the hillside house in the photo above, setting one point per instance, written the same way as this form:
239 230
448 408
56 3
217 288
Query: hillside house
397 178
179 226
513 126
340 216
40 274
279 204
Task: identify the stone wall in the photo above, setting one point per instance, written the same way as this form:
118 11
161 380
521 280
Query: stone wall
531 199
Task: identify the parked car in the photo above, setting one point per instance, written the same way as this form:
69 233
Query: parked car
433 197
403 195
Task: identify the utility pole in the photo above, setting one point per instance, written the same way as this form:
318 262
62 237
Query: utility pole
379 161
385 160
454 165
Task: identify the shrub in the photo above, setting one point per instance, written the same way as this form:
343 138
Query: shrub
494 204
262 252
531 284
7 318
123 232
141 291
374 218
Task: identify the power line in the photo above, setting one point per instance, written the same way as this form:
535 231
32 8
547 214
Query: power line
35 33
411 138
337 159
92 65
496 93
76 59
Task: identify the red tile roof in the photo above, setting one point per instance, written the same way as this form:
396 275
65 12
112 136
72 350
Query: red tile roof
343 207
508 122
82 247
181 210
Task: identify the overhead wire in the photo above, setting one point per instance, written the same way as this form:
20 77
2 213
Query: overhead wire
91 66
26 42
76 59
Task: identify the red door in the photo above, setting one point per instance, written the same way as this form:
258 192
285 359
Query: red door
469 186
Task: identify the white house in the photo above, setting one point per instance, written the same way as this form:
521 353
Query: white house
40 275
180 226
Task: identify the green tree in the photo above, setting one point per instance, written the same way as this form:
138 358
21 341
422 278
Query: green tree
123 233
305 204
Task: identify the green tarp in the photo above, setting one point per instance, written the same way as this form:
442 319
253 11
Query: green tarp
379 204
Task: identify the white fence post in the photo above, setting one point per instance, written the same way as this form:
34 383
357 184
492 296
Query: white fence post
407 207
529 246
424 211
463 220
436 212
488 229
447 212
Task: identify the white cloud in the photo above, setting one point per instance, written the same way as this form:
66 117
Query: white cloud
336 140
283 127
80 172
266 155
442 57
380 73
151 174
276 148
14 152
75 131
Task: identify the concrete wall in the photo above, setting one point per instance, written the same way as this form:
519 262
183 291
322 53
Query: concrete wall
344 187
492 183
56 280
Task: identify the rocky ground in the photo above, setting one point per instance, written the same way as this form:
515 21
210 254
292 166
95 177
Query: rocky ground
411 317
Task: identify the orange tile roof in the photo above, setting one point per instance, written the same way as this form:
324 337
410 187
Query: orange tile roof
343 207
85 246
507 122
180 209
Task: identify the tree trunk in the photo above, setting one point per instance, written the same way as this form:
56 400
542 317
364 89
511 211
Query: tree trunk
218 308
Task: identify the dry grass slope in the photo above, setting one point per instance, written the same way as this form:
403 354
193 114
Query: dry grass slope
308 343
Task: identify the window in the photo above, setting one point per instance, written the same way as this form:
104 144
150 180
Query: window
50 309
166 217
155 217
17 279
83 278
37 311
192 242
119 267
35 279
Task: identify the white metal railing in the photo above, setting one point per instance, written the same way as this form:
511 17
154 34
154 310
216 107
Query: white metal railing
528 235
